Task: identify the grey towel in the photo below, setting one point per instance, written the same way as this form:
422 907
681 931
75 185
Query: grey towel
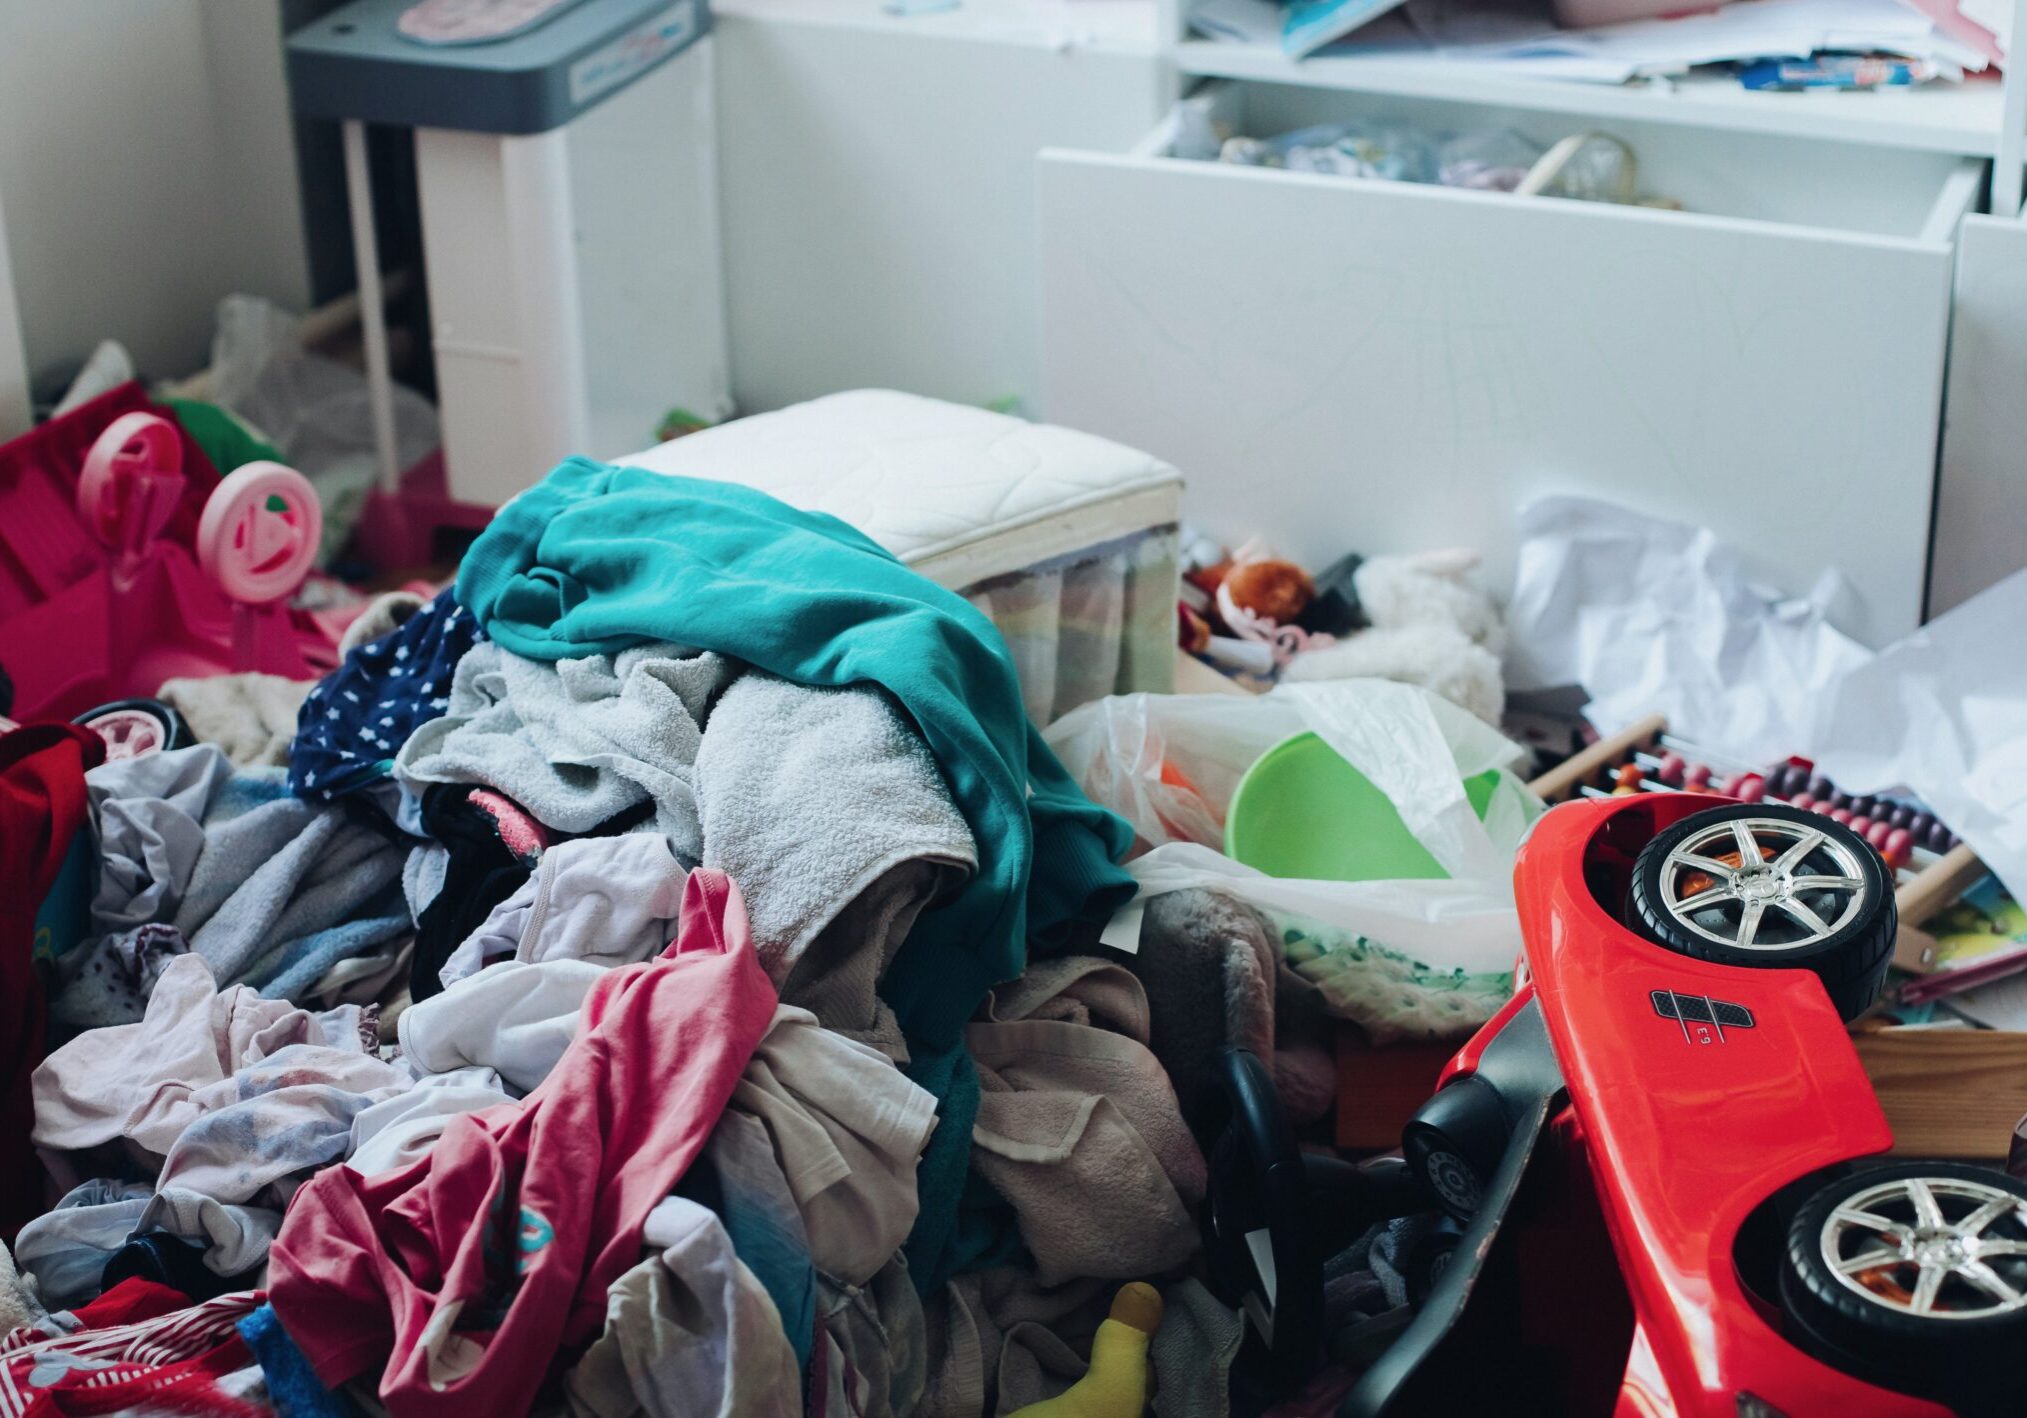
577 741
810 797
1192 1353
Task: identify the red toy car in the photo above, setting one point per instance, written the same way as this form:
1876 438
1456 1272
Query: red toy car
1653 1161
1654 1152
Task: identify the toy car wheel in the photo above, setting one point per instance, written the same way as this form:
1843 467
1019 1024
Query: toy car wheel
134 728
1773 887
1454 1143
1917 1269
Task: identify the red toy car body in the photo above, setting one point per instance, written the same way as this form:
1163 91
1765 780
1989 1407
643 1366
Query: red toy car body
1659 1151
1688 1125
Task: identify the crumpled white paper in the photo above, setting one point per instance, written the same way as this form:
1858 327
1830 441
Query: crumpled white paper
1943 714
1651 616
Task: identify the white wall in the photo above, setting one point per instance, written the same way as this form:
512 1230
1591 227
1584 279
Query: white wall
147 166
13 359
878 183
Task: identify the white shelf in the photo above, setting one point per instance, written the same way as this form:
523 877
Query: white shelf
1052 24
1949 118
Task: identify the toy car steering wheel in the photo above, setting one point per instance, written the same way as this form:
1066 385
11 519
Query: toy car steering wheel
259 532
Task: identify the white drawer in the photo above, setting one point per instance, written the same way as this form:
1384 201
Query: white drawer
1981 500
1343 364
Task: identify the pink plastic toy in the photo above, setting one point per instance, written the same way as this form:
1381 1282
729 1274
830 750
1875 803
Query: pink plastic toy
153 611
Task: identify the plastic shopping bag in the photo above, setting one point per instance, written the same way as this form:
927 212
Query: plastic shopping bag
1423 959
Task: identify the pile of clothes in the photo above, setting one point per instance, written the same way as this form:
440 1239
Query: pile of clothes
660 974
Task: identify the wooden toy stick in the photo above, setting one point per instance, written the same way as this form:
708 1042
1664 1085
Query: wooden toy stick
1559 782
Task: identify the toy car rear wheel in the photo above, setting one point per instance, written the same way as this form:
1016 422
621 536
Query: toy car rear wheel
134 728
1771 887
1916 1271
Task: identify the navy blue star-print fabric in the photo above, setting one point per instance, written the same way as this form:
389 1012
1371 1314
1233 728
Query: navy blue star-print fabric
360 714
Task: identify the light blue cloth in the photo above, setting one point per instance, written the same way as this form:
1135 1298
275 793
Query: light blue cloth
269 889
67 1247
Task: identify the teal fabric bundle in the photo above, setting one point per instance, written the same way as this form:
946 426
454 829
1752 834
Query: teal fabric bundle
594 559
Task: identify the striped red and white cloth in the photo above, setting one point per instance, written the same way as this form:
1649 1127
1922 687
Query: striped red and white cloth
139 1344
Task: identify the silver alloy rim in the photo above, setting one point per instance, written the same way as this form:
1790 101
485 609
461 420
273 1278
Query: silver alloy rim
1762 883
1926 1246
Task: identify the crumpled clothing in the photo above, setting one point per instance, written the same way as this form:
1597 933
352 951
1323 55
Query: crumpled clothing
147 1082
67 1247
848 1128
1078 1127
141 1348
809 796
235 1235
109 980
166 1260
968 1325
576 741
515 1019
391 1274
251 716
44 802
1193 1351
689 1333
281 1117
362 978
271 891
878 1332
607 900
362 712
594 559
1215 976
401 1129
739 1178
838 975
486 846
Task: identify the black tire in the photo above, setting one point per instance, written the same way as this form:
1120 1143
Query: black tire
1454 1143
1851 960
1866 1325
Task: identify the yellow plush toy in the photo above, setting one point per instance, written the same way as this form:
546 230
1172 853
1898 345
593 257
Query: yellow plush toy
1116 1386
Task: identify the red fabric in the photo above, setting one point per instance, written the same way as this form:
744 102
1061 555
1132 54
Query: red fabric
42 805
129 1302
44 544
140 1346
475 1265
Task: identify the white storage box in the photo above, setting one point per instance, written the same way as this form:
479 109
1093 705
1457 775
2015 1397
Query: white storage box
1066 540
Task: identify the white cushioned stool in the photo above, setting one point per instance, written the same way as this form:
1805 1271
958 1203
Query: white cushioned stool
1068 541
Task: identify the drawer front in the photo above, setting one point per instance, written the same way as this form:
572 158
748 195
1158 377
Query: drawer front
1351 365
1981 502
